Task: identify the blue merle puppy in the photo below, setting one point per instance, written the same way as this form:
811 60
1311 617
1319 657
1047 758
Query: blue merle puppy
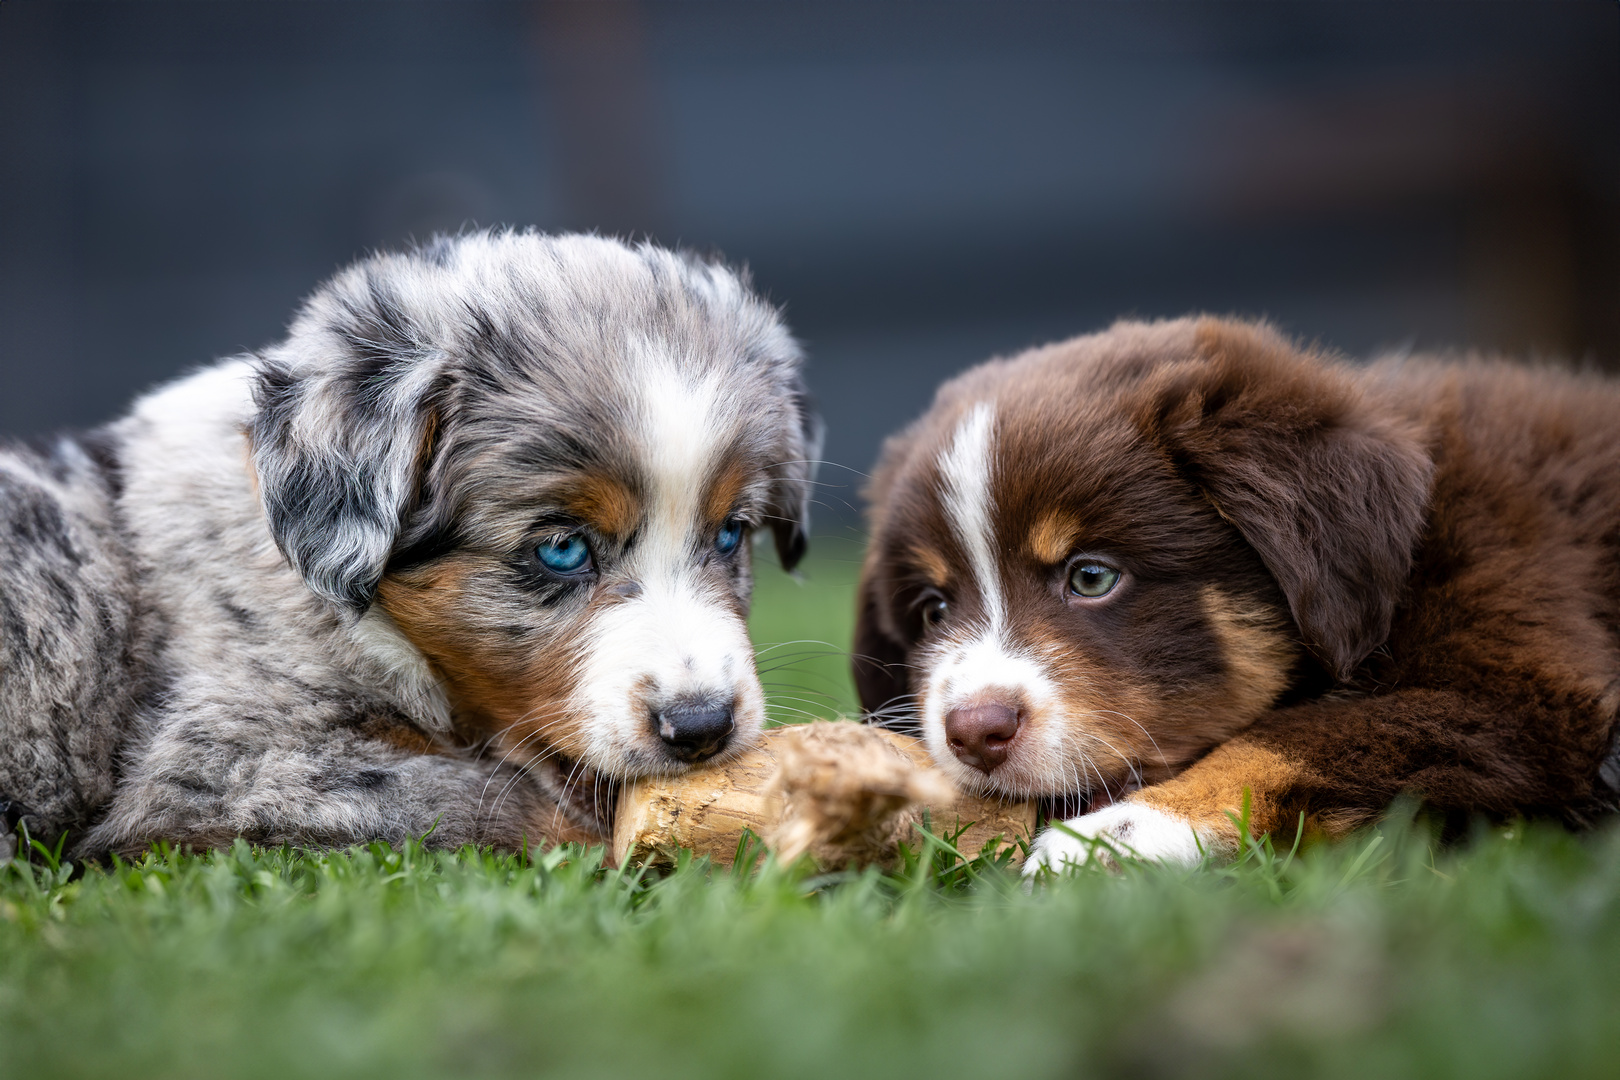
467 548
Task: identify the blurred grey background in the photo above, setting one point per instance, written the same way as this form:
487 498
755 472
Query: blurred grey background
922 184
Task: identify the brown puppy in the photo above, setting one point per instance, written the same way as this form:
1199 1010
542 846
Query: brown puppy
1147 571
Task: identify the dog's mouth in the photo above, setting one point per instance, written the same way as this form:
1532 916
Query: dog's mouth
588 798
1078 803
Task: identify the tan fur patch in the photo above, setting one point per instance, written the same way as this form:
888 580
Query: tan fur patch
604 503
1103 715
1337 824
408 739
1215 786
1258 651
426 445
1053 536
497 686
932 564
721 498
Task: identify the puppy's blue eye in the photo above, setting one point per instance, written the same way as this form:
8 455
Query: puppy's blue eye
564 554
1093 579
730 536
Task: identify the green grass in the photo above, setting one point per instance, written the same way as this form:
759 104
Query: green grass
1383 956
801 628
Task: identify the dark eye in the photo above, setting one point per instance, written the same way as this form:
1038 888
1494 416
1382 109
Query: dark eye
1092 579
933 609
730 536
564 554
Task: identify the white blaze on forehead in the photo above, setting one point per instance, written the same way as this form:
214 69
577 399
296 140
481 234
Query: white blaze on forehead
967 471
682 431
679 636
985 662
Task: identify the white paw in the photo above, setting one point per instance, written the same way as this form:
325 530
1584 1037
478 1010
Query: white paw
1127 827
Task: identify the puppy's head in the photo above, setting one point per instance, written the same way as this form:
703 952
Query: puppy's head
1093 562
541 458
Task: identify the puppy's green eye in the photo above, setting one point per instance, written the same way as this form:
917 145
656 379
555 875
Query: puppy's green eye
1092 579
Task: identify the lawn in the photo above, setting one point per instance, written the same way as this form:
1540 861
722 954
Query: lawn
801 627
1384 956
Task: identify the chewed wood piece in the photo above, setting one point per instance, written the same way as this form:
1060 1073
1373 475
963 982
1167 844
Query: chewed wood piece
846 793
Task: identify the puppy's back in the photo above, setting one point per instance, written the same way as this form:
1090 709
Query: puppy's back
70 671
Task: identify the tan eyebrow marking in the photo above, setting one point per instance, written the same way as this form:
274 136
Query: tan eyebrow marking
605 503
932 564
723 492
1053 536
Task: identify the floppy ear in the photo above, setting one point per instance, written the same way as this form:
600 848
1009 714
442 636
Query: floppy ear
347 414
793 479
1330 489
879 661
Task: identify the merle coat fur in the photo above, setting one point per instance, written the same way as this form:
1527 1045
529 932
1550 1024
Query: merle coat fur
295 598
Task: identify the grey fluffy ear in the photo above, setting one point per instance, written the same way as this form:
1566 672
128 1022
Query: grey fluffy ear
340 441
794 484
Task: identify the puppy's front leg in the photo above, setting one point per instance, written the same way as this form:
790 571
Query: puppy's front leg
1184 819
1341 763
220 772
1130 828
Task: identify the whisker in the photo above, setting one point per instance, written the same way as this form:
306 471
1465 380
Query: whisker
1129 764
568 782
1143 730
761 650
517 776
536 733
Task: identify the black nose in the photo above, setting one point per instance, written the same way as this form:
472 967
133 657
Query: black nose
695 730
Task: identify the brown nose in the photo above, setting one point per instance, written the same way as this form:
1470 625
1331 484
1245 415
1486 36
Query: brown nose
982 735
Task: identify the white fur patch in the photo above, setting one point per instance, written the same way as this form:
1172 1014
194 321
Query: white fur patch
1129 827
985 663
967 470
677 638
403 667
681 437
984 667
669 642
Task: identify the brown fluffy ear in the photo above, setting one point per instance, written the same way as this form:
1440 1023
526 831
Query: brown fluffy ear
878 660
1329 489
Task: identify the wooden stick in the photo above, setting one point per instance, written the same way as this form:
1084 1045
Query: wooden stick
708 810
